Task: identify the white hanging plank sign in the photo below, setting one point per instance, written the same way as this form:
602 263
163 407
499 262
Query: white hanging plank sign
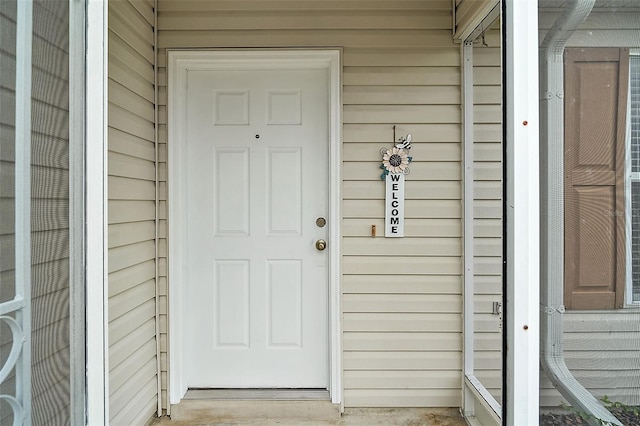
394 209
395 166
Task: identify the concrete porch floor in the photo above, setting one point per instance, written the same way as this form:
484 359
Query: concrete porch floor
293 413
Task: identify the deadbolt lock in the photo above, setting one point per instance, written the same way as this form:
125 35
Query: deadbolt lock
321 245
321 222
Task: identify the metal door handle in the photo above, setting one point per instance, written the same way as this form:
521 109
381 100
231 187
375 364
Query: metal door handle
321 245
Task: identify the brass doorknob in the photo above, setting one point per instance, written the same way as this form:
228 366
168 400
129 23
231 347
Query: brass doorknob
321 245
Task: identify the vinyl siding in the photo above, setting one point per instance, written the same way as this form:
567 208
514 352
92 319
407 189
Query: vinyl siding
487 241
401 298
601 347
131 214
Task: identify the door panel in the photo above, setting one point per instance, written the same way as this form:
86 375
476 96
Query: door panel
257 179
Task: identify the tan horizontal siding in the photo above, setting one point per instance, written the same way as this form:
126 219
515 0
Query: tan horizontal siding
390 361
381 57
414 379
53 214
486 342
131 321
401 95
378 397
414 209
129 345
44 345
278 19
601 350
51 305
430 190
120 374
488 284
411 76
46 56
130 211
487 209
306 38
487 361
121 188
141 272
486 266
401 303
123 234
371 152
131 299
402 322
401 114
307 5
410 284
124 98
49 276
130 255
127 144
355 227
49 89
366 246
50 151
400 67
131 167
133 374
121 72
54 403
410 265
404 341
420 170
44 377
49 182
141 386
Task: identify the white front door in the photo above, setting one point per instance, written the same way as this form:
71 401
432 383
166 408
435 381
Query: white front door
257 179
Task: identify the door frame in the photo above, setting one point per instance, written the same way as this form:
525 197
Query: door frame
179 63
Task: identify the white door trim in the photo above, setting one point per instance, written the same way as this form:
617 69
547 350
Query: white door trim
179 63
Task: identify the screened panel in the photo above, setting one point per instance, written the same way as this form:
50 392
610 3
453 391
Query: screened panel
50 214
7 152
590 334
35 297
487 185
7 193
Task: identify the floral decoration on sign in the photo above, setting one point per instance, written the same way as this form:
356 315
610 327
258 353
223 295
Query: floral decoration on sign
396 159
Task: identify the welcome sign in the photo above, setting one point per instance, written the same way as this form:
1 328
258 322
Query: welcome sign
394 210
395 165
